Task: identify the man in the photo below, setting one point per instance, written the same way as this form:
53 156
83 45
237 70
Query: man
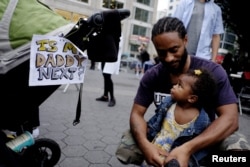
170 40
203 21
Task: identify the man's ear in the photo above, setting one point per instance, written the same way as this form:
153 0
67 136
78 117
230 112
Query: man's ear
192 99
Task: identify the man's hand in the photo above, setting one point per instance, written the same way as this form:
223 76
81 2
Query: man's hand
154 155
138 126
181 154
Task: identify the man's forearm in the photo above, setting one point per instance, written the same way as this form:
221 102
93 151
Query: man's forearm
220 129
215 46
138 127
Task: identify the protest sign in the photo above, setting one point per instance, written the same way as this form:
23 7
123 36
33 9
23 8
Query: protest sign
55 60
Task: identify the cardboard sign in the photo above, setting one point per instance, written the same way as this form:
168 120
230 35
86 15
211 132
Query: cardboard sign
55 60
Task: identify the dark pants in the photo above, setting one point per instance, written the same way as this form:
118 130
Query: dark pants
108 84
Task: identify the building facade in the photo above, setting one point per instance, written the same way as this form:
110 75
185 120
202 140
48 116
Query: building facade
172 5
135 30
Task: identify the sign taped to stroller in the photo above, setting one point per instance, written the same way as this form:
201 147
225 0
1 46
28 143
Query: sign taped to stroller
55 60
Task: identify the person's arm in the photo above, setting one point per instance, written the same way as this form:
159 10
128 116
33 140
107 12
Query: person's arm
138 127
138 124
179 11
220 128
217 30
215 46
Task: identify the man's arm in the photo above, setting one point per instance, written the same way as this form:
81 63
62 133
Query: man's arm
217 30
138 127
220 128
138 124
215 46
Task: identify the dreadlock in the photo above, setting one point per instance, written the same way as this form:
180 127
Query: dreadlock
169 24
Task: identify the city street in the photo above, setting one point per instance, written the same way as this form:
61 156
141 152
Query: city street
92 143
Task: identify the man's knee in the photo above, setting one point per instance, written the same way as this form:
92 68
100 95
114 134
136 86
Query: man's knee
128 151
236 141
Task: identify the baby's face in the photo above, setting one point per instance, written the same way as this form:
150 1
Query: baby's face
182 89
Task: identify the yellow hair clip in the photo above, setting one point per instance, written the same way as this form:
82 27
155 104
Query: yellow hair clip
197 72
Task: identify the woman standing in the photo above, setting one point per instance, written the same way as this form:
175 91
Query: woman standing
108 88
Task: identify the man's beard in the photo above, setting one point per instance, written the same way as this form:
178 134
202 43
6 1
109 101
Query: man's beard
181 65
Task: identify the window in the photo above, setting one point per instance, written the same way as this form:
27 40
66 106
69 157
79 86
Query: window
134 47
112 4
146 2
141 14
139 30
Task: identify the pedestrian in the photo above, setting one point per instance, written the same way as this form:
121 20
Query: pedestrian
147 65
138 68
227 62
144 55
107 70
108 88
170 38
203 21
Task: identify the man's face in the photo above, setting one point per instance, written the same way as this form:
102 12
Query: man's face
171 51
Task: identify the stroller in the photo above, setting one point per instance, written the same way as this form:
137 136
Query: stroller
98 33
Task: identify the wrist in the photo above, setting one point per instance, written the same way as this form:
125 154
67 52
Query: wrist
144 145
189 148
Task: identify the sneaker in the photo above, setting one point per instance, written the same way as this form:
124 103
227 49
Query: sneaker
111 103
35 132
102 98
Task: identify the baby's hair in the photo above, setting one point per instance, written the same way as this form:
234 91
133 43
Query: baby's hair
204 86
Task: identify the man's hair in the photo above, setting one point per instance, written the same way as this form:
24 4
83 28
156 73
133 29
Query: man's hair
169 24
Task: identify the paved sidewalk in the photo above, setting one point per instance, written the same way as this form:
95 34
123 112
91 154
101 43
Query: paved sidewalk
93 142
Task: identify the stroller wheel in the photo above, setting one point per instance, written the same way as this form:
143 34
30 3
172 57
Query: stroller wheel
44 153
